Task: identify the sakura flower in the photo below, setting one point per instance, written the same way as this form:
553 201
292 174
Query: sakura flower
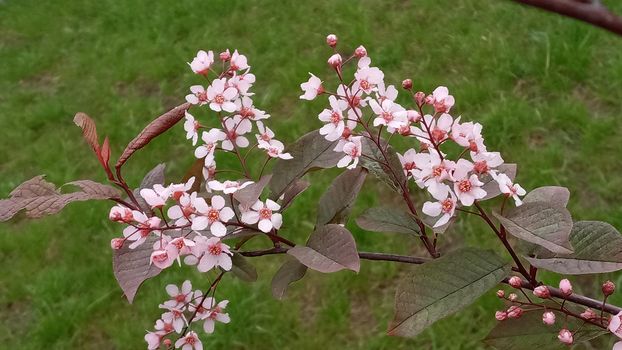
438 130
446 208
468 135
589 314
265 214
212 217
191 126
153 339
548 318
485 162
163 258
121 214
189 342
246 109
221 97
214 314
510 189
388 93
235 128
615 324
116 243
334 119
212 253
387 114
179 296
198 95
467 188
265 134
367 78
157 196
311 88
210 139
225 56
186 209
145 226
202 62
274 148
354 96
434 173
242 83
353 150
413 162
227 187
238 62
178 190
442 100
180 246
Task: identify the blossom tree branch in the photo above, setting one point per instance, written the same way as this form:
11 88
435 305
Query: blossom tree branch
589 11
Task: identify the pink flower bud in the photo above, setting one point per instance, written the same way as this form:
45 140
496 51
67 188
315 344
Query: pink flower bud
589 314
335 60
515 282
512 297
565 287
515 312
501 293
168 343
565 336
360 51
331 40
608 288
420 97
225 56
548 318
116 243
542 292
501 315
407 84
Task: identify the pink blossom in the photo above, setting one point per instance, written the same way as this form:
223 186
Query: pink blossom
367 78
120 213
485 162
211 253
501 315
387 114
215 313
446 208
542 292
246 110
501 293
191 126
228 187
335 60
185 211
468 135
264 214
565 336
435 173
548 318
615 324
202 62
407 84
212 217
265 134
311 88
179 296
198 95
353 150
437 129
210 139
145 226
413 162
608 288
388 93
180 245
220 96
442 100
235 128
116 243
512 297
238 62
565 287
163 258
242 83
589 314
189 342
178 190
157 196
334 119
467 188
153 340
515 282
274 149
331 40
510 189
360 51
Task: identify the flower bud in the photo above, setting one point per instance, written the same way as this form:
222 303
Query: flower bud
225 56
407 84
501 315
512 297
116 243
501 293
168 343
331 40
565 287
542 292
420 97
608 288
360 52
548 318
335 60
565 336
515 312
589 314
516 282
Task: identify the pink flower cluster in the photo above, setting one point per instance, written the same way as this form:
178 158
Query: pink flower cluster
451 183
183 307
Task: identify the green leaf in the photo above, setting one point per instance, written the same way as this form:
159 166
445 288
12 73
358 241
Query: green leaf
330 248
390 172
291 271
551 194
309 152
335 204
383 219
242 269
528 333
542 223
444 286
597 249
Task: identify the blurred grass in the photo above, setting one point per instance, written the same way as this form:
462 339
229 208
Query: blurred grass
547 89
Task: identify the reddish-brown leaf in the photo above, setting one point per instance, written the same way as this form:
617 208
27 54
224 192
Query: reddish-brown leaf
105 152
293 191
96 190
196 171
131 267
89 131
152 130
34 187
249 194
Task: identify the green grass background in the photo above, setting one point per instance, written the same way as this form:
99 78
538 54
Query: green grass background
547 89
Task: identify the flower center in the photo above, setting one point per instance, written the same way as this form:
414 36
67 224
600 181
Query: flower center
213 215
265 137
265 213
247 113
473 146
387 116
438 134
161 257
365 85
187 210
410 166
481 167
168 327
335 118
355 101
354 152
220 99
232 135
180 298
202 96
447 205
179 244
190 340
215 249
437 171
464 186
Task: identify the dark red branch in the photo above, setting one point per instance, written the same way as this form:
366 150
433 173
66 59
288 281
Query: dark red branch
592 12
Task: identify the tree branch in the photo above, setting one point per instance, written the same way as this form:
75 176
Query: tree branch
584 10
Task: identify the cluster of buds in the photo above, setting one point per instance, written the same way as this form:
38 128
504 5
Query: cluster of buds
186 306
368 101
